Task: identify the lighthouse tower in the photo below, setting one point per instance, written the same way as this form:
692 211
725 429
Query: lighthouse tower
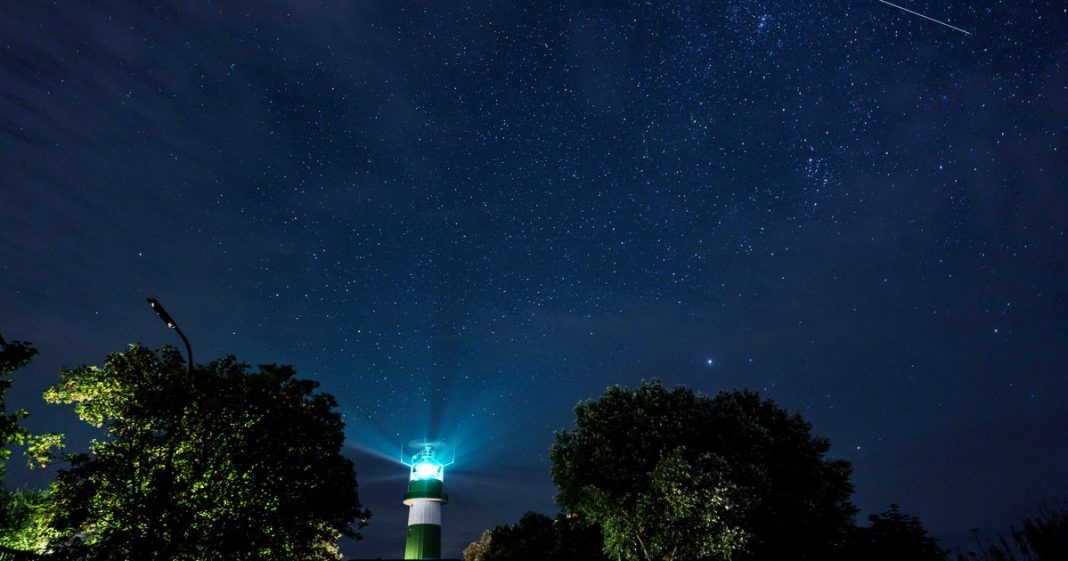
424 499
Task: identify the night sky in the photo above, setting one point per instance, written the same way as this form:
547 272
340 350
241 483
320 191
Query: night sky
464 217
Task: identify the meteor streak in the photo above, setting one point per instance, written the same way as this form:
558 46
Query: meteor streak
925 17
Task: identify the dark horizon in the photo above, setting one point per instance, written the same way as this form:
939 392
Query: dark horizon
464 219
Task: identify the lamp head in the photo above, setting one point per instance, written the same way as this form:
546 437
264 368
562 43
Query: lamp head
427 470
425 464
162 313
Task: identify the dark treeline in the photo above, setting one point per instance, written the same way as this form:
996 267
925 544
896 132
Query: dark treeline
658 474
1041 537
226 462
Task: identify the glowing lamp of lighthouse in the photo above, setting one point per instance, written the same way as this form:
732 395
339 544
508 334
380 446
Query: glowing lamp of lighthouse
424 499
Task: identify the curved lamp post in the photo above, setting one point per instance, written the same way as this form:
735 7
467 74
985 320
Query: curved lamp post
163 315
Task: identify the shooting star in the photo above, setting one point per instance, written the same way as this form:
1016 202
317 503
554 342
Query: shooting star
925 17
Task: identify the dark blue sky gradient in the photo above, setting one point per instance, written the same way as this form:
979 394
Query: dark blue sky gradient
464 217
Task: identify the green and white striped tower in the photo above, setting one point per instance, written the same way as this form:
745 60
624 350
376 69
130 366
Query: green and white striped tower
424 499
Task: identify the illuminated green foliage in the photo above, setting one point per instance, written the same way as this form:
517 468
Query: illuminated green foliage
41 448
24 516
229 464
686 513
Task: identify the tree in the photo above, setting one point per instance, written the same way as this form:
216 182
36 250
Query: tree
226 464
684 513
531 539
894 536
476 551
537 537
1043 537
659 468
578 540
13 355
23 520
20 510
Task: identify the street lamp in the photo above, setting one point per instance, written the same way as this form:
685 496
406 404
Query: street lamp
163 315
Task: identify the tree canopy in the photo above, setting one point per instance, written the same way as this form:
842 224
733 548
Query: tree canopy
894 536
23 520
537 537
674 474
21 523
13 355
1042 537
230 463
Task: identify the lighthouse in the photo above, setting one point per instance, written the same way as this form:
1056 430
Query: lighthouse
424 499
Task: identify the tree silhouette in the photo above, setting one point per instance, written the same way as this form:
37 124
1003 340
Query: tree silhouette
742 478
894 536
13 356
1042 537
537 537
20 510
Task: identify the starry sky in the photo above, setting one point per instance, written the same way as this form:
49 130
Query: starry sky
462 218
